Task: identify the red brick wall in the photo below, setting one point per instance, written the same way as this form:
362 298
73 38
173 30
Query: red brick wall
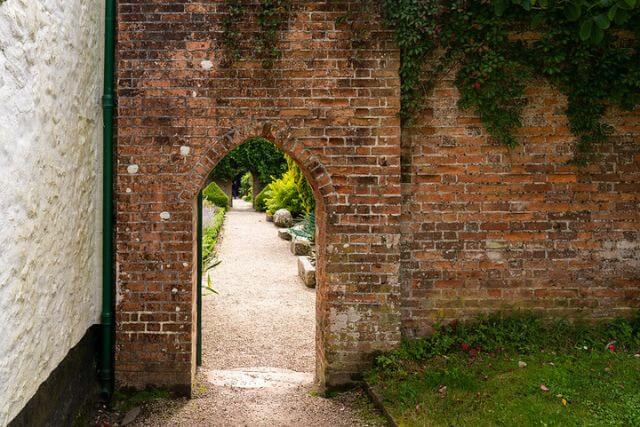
472 227
329 106
487 228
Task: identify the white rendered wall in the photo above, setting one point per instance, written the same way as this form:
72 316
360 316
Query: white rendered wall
50 187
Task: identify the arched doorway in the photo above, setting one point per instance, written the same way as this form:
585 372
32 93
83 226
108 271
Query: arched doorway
357 311
321 186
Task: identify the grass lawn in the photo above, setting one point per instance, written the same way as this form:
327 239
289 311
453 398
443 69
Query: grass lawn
515 371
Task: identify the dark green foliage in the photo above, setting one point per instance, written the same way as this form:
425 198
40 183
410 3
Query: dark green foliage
515 370
256 155
246 185
272 14
261 198
579 50
214 194
517 333
210 236
231 35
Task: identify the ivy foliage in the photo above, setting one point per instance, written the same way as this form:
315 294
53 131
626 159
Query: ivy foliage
270 17
258 156
231 36
586 48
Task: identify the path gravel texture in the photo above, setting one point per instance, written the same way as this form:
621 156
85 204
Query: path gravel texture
258 341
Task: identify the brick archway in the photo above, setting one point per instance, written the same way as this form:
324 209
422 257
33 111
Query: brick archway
324 195
331 106
279 134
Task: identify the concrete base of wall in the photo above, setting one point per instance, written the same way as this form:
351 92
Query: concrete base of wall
67 395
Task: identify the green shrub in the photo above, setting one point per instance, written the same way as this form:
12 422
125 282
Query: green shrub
260 204
211 234
305 193
283 194
246 186
291 191
215 195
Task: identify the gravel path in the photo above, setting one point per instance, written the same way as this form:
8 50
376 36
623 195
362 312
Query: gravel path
258 341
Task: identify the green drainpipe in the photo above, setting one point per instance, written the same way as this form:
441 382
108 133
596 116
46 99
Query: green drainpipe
199 285
106 354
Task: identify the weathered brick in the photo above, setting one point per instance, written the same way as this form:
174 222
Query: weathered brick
432 222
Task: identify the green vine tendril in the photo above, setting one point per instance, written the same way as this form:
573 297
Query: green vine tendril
271 16
231 35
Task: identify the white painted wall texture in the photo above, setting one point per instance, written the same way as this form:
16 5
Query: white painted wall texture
50 187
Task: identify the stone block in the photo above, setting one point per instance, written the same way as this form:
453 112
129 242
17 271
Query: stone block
282 218
307 271
300 246
284 234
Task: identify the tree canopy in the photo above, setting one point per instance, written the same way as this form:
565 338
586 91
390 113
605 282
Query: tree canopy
256 155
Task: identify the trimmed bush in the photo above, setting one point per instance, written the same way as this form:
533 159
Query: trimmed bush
215 195
261 200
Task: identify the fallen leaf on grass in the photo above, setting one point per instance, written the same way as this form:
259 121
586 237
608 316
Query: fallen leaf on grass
442 390
564 402
544 388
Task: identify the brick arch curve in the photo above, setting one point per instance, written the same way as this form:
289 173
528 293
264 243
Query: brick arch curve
280 135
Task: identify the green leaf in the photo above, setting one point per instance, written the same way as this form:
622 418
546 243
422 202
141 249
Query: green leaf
597 36
602 21
585 29
537 19
631 3
612 12
621 17
572 11
499 6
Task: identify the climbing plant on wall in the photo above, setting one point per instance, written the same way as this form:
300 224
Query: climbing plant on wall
231 35
587 48
270 17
